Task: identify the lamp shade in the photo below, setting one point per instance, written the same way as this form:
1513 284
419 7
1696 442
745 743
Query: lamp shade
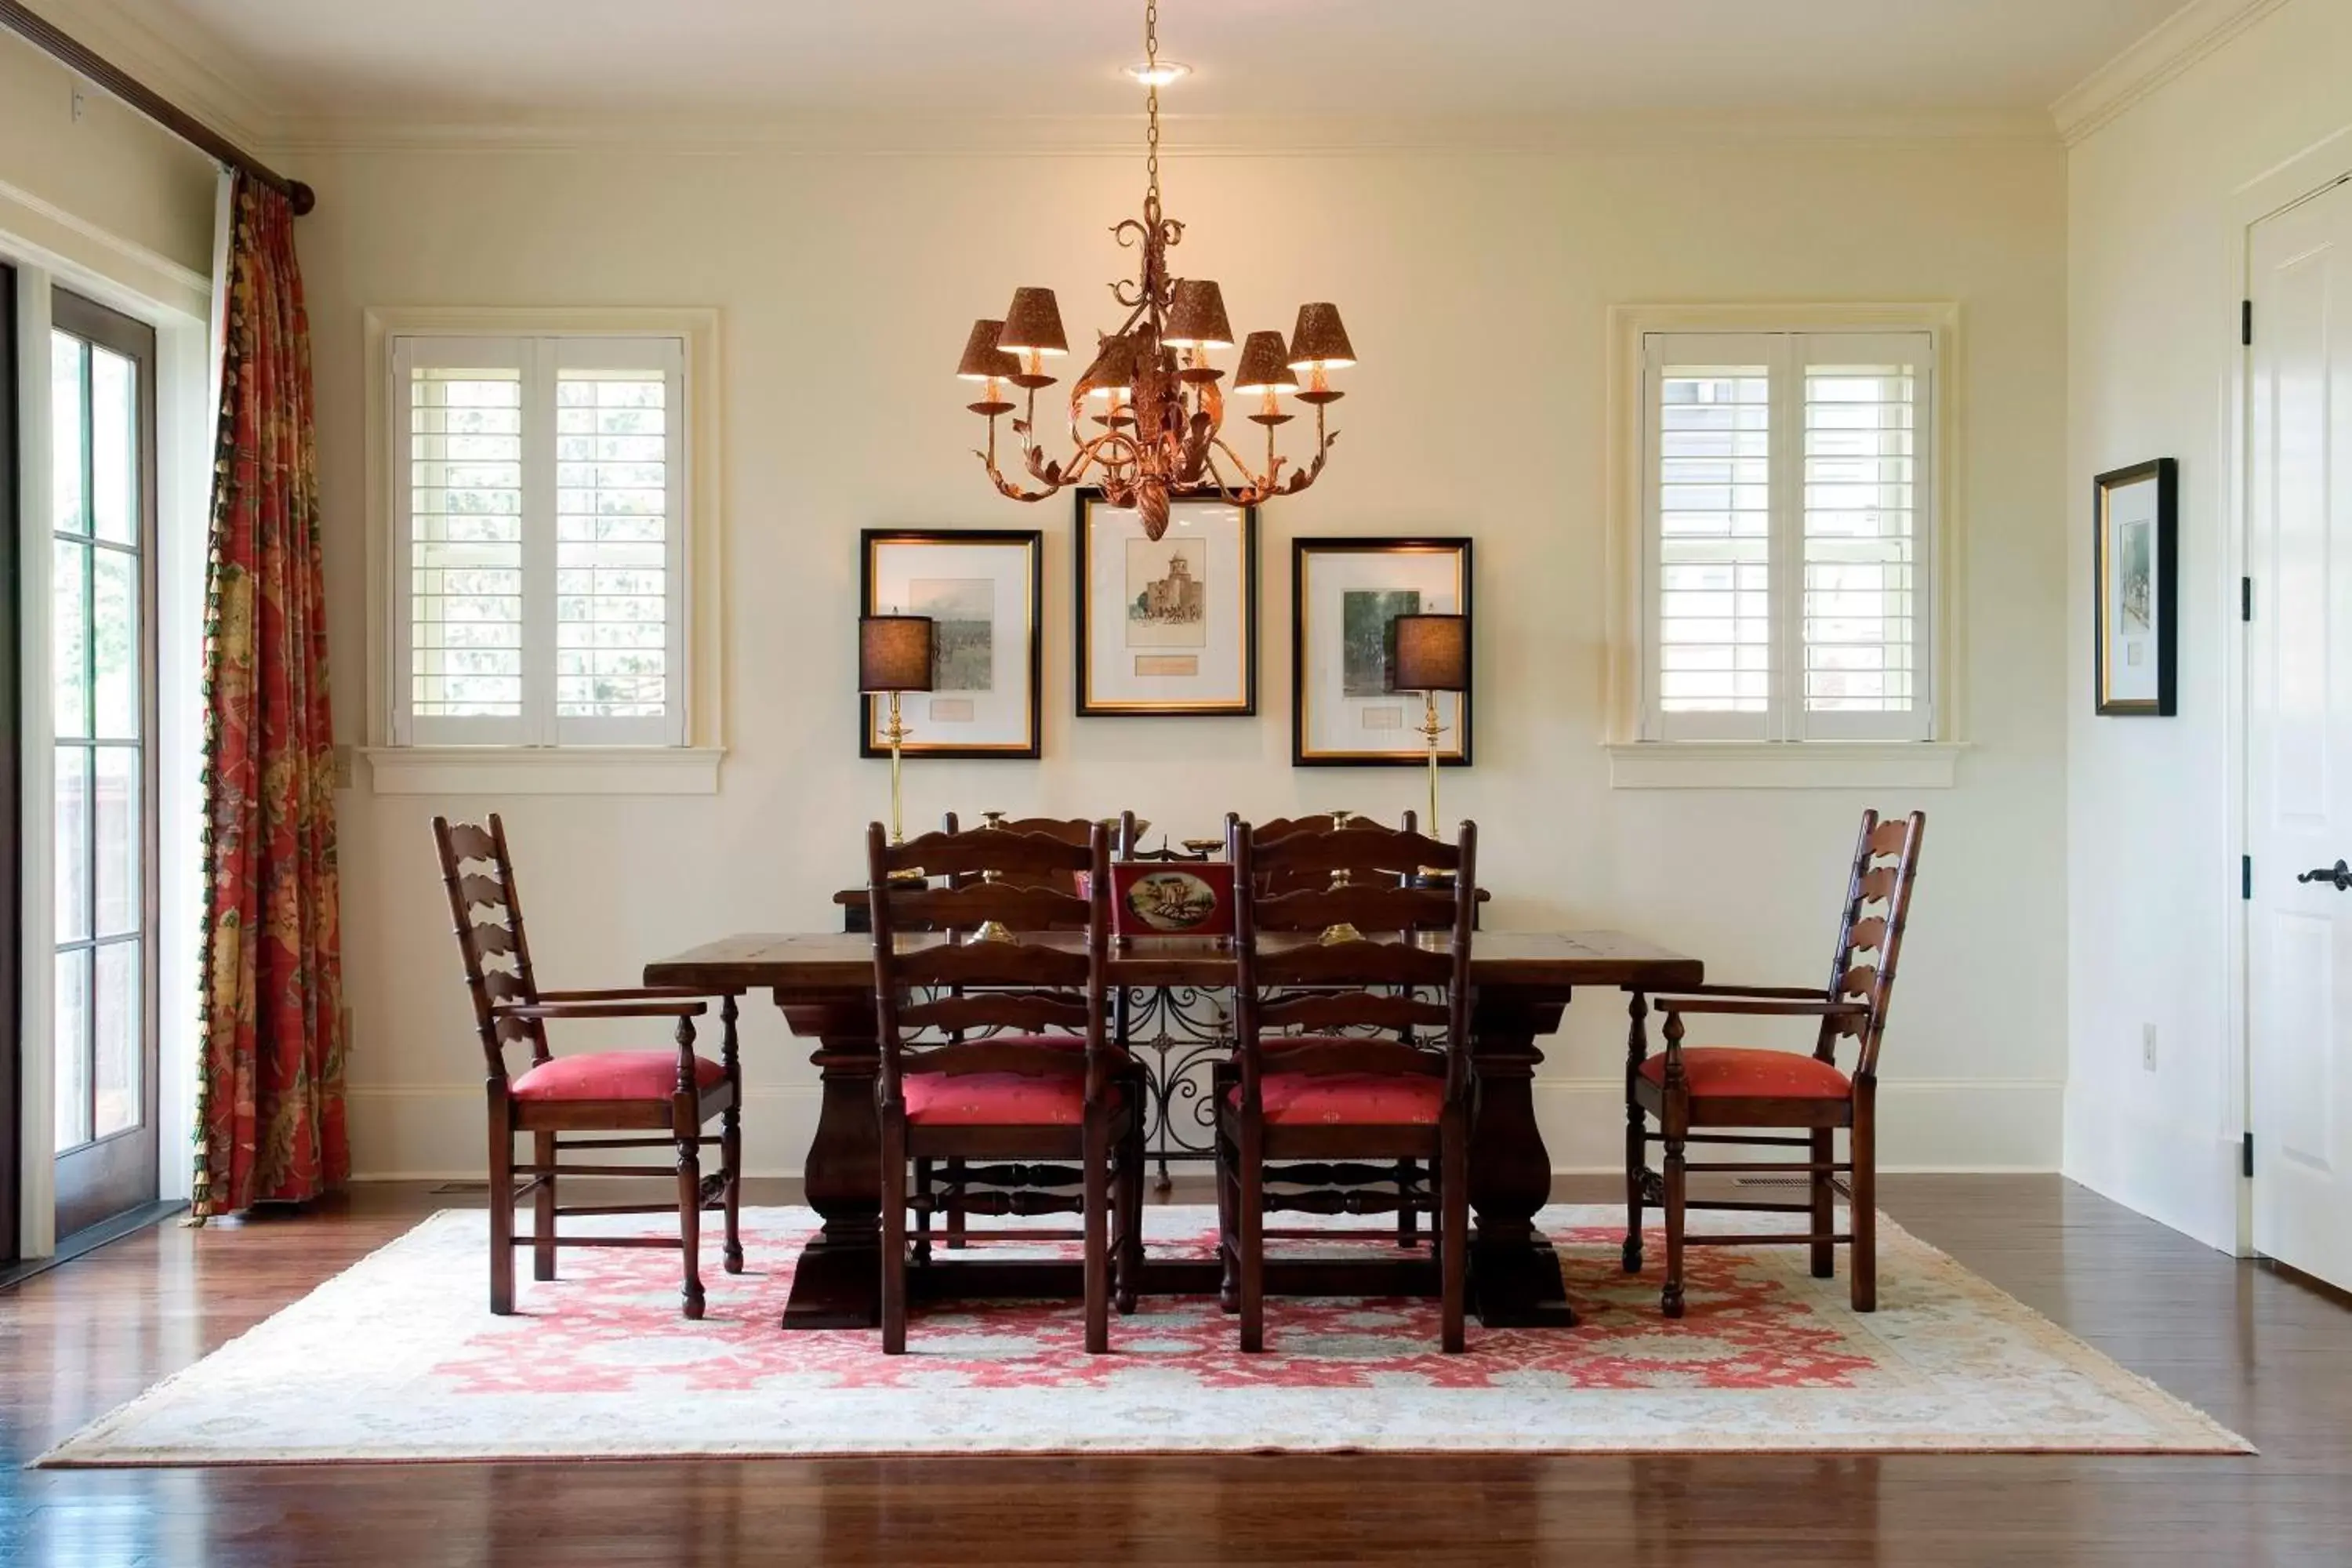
1113 373
1266 365
1033 324
894 653
1432 653
982 359
1320 342
1196 318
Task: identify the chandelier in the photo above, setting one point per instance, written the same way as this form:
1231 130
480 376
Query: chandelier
1158 433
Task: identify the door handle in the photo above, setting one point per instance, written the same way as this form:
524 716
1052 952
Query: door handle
2340 873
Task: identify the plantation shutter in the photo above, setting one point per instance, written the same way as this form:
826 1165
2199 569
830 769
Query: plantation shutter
538 537
1786 518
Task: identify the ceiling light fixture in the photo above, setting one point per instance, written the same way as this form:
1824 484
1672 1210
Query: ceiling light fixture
1159 435
1159 73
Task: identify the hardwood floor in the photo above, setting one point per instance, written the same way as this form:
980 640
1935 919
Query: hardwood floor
2265 1354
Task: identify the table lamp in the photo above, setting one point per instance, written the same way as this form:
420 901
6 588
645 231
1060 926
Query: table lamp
1431 654
894 655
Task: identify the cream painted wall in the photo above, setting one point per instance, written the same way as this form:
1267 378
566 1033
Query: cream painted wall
2153 279
110 179
1477 287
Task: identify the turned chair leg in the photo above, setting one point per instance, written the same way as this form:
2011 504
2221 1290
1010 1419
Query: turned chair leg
955 1230
502 1206
1670 1300
1250 1197
1453 1249
689 1219
1637 1143
1229 1208
922 1210
1408 1217
731 1142
894 1238
1824 1202
1128 1278
1637 1154
543 1208
1096 1146
1862 1142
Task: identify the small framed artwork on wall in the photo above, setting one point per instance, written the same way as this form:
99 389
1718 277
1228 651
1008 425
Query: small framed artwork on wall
2134 553
981 587
1346 707
1167 626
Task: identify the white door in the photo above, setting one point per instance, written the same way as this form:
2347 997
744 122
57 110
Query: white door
2299 735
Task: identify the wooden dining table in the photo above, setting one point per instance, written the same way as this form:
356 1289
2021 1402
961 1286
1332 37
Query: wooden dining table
823 983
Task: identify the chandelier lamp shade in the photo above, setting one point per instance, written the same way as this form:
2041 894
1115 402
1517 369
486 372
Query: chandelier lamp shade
1147 414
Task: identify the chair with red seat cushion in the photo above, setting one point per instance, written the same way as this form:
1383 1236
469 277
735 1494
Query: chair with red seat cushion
1722 1087
955 1179
672 1093
966 979
1352 1116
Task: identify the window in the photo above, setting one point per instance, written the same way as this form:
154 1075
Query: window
1787 521
539 541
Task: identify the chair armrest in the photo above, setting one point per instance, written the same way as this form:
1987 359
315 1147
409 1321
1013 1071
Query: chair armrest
629 993
676 1007
1791 993
1762 1007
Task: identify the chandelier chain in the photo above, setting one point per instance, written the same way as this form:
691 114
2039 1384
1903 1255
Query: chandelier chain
1151 108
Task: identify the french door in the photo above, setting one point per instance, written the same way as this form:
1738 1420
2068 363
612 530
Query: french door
2299 735
102 701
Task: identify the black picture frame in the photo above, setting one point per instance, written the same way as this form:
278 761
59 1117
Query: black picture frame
1081 644
1031 539
2161 559
1414 754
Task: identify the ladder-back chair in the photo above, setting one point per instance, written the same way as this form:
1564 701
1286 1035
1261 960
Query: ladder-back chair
954 1179
673 1094
1349 946
995 1045
1713 1087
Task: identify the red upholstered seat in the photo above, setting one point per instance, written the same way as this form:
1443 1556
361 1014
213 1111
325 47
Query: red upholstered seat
1348 1098
1746 1073
995 1099
612 1075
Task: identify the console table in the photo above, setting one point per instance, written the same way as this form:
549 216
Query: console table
823 983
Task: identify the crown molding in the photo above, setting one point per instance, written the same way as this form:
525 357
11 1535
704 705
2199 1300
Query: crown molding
1121 134
2176 43
163 51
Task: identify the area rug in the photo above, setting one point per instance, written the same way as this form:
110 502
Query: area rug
398 1359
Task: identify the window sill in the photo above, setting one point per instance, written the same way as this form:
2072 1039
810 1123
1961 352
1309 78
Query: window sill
543 770
1767 764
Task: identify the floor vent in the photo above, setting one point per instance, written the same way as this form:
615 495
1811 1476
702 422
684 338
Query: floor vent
451 1188
1800 1182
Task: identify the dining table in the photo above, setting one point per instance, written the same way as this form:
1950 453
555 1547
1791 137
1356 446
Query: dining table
1522 981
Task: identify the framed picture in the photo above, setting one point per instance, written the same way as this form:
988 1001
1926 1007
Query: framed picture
1343 594
982 587
2134 553
1168 626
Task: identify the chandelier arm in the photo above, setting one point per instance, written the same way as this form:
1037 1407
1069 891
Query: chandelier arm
1264 483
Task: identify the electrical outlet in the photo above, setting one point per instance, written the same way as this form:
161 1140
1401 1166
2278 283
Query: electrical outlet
2147 1046
346 1021
80 106
342 767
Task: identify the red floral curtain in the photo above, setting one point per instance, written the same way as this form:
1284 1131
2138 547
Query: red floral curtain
270 1115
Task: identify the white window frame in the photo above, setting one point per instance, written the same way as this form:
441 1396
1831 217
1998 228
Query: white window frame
542 754
1785 747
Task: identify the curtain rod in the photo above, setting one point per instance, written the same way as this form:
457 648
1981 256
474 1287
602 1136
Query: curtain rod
44 34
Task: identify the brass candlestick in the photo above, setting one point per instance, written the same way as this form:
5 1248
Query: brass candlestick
1429 730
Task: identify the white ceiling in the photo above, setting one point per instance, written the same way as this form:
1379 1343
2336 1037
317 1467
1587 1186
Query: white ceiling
492 61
